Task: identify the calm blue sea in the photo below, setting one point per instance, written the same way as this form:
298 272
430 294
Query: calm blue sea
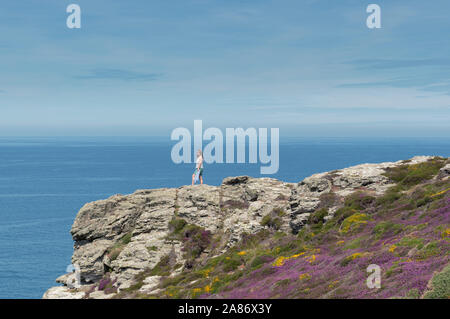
45 181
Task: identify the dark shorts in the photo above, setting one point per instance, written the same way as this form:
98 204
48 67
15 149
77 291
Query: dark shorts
201 172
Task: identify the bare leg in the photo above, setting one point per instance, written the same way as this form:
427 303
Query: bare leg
193 177
201 180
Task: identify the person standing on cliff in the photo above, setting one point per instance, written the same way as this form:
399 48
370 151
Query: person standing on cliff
198 168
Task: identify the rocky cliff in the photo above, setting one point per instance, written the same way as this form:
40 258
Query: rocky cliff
261 237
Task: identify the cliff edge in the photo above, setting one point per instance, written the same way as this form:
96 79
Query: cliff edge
264 238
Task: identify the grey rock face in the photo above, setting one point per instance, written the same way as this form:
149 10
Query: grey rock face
235 207
100 225
150 283
444 172
62 293
200 205
69 280
126 234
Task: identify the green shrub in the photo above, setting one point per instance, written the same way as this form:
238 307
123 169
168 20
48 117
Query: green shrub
305 234
387 227
394 269
195 240
126 239
390 196
348 259
356 243
421 172
342 213
409 175
162 268
273 219
259 261
176 225
250 241
272 222
411 242
328 200
423 201
134 287
114 251
283 283
318 216
429 250
413 294
397 174
267 272
231 263
440 285
353 223
278 212
359 200
291 247
278 235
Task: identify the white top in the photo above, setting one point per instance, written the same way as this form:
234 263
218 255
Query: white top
199 159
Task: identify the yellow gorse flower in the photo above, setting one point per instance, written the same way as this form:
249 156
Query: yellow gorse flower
392 248
206 272
304 276
355 219
281 260
311 258
440 193
196 290
356 255
333 284
242 253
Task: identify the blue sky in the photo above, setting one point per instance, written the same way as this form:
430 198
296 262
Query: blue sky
145 67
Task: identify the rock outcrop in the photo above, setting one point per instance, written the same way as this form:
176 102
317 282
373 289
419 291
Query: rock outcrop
126 234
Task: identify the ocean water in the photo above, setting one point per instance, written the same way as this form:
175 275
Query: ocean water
45 181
